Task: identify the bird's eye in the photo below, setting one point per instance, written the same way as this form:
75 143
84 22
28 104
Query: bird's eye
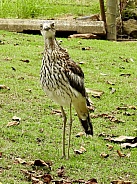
52 25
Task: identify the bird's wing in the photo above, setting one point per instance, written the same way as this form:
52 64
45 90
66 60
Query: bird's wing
75 76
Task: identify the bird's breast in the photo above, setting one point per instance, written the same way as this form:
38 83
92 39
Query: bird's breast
55 84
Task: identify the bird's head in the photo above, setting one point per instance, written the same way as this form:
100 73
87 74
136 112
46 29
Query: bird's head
48 30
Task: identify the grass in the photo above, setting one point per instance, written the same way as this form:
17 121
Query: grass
47 9
26 99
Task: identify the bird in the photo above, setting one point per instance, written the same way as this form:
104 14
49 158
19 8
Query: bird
62 80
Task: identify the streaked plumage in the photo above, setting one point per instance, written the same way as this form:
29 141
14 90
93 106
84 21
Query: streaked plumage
63 81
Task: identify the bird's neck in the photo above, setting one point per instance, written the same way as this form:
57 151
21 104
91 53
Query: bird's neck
50 44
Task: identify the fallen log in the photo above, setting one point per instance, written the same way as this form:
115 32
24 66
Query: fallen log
85 36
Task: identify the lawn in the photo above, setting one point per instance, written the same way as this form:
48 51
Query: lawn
109 67
50 9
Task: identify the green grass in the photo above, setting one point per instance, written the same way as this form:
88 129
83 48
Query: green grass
47 9
35 109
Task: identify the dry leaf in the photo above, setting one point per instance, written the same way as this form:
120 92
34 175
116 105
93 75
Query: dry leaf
95 93
15 118
128 145
80 134
14 69
123 139
78 152
128 155
4 87
103 74
91 181
20 161
125 74
8 59
56 112
110 147
86 48
82 149
40 163
25 60
47 178
34 180
113 90
61 171
0 154
120 154
104 155
12 123
29 90
120 182
132 107
58 181
81 62
111 83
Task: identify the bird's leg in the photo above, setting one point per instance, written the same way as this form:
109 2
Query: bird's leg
64 130
70 126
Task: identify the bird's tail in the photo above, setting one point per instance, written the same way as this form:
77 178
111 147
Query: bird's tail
83 114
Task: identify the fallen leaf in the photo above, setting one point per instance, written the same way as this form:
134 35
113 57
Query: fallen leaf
15 44
132 107
95 93
36 181
124 139
14 69
4 87
104 155
20 161
91 181
58 181
111 83
128 114
110 147
67 182
120 182
120 154
12 123
122 108
40 163
0 154
113 90
78 152
103 74
15 118
128 155
82 149
86 48
125 74
79 181
21 78
80 134
25 60
129 145
8 59
47 178
1 42
61 171
29 90
81 62
56 112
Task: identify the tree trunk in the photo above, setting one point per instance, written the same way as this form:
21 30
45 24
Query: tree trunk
111 19
102 9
